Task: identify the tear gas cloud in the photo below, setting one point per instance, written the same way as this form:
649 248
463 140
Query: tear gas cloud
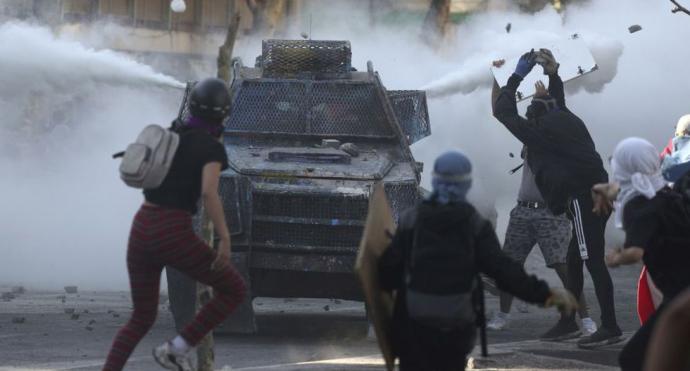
66 215
66 64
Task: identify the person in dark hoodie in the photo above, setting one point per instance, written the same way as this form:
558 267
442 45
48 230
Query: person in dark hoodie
566 165
433 263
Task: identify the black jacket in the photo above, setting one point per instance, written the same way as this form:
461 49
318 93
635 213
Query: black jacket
510 276
561 151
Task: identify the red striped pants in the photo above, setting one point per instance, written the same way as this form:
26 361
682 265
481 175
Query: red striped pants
161 237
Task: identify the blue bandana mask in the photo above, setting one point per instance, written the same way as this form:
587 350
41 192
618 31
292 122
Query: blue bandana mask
452 178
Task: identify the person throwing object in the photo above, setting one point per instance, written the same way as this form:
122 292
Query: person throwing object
566 165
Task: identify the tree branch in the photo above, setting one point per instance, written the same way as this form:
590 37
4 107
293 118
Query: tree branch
679 8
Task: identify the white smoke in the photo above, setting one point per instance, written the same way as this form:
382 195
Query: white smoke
525 34
37 58
65 215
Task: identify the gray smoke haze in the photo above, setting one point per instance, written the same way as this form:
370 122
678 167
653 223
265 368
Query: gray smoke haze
65 214
474 72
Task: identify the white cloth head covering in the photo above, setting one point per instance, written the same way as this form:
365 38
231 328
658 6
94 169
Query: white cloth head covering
683 125
636 168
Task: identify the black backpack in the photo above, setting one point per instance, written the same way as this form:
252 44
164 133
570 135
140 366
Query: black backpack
441 280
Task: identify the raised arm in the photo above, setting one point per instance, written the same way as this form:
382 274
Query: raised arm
550 65
556 90
505 110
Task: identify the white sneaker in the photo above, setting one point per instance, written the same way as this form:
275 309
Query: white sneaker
498 322
371 333
589 327
167 358
522 307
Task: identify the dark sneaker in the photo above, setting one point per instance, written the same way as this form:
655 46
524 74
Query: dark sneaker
602 337
563 330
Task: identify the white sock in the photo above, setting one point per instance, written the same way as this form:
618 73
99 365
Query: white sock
502 315
180 345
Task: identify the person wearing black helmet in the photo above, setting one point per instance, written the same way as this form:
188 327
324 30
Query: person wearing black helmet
162 235
566 165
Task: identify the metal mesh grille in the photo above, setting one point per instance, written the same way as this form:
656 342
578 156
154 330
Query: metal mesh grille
328 108
411 110
302 205
401 196
347 109
228 188
287 57
269 107
272 233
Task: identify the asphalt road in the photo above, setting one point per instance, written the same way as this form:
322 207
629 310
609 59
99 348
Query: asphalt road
42 330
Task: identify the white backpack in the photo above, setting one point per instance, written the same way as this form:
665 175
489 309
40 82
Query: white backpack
146 162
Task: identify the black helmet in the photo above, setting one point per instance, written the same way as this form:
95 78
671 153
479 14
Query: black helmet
210 99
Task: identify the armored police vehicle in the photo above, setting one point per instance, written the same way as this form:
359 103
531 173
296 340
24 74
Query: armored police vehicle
307 138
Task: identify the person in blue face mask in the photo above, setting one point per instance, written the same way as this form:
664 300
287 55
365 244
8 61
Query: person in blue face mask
433 264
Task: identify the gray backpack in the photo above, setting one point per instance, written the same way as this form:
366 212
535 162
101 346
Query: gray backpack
146 162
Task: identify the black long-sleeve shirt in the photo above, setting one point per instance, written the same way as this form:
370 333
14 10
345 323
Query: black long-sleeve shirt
562 153
510 276
660 227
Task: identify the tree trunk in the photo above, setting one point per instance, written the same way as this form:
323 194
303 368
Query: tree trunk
225 51
204 351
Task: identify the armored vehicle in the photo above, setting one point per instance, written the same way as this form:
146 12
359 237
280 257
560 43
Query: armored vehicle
307 138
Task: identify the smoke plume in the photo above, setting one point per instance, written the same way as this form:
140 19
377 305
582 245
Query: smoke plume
65 215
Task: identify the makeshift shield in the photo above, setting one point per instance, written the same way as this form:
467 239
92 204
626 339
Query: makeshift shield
573 55
378 230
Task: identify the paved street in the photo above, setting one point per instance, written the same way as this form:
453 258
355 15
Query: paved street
294 334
